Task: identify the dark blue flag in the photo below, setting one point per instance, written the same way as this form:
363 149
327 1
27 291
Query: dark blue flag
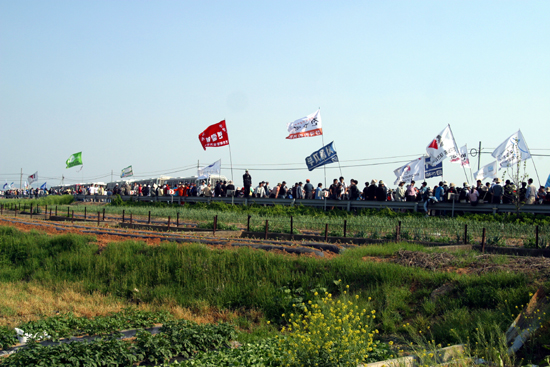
433 171
323 156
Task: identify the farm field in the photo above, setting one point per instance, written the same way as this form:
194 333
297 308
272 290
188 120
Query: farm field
411 294
501 230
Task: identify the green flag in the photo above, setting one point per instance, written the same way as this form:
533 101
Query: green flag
74 160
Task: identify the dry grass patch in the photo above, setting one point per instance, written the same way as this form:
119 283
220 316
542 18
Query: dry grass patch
22 302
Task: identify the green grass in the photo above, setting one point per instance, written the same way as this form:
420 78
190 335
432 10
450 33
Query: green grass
46 200
194 275
374 224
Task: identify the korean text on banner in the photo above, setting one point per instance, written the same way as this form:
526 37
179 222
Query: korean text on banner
442 147
214 135
433 171
489 171
32 178
127 172
323 156
512 150
464 156
311 125
213 169
74 160
412 171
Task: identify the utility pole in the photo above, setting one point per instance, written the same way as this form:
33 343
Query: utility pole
21 179
478 156
111 175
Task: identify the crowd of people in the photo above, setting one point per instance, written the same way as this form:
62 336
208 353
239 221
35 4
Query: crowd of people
494 192
491 192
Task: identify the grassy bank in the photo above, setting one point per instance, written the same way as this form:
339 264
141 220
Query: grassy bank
196 277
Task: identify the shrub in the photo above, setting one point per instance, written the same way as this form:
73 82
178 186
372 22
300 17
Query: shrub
326 332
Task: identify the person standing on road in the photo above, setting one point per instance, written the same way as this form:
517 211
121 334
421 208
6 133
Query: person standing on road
411 193
531 193
308 188
381 192
247 183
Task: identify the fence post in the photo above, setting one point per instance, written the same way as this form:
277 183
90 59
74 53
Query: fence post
123 212
68 212
326 232
131 218
291 225
50 213
483 242
536 236
266 228
345 227
465 234
72 217
98 219
215 224
55 211
2 209
31 211
168 222
46 210
248 224
178 220
103 214
149 220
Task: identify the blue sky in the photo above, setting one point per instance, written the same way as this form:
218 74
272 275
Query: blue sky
134 83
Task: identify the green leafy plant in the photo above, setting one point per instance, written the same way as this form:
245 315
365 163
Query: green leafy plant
329 332
7 337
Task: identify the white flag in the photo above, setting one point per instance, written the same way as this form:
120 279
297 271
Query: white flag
310 125
414 170
213 169
512 150
464 156
486 172
443 146
33 177
127 172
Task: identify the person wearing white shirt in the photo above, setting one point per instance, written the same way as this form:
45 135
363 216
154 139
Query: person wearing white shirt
531 193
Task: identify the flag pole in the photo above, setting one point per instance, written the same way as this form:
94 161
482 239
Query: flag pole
323 144
460 156
230 158
533 159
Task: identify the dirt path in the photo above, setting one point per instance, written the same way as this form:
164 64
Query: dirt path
153 238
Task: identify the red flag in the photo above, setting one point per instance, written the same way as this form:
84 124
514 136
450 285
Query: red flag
214 136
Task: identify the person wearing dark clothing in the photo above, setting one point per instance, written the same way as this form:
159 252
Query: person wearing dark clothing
354 192
230 189
247 183
371 191
509 193
334 190
224 189
282 191
218 189
293 190
381 192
